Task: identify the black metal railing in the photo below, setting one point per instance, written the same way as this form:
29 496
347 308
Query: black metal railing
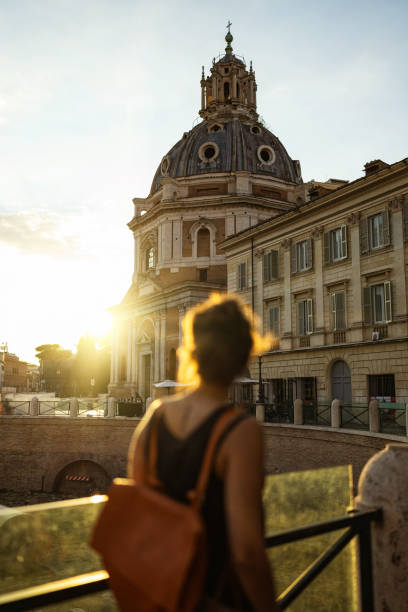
356 524
355 416
316 414
393 418
280 411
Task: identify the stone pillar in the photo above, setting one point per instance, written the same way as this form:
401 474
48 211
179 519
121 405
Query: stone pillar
162 344
234 85
374 416
260 412
34 406
202 95
399 305
111 407
181 313
156 367
136 256
134 354
298 412
356 313
286 336
214 88
73 407
383 484
129 353
336 413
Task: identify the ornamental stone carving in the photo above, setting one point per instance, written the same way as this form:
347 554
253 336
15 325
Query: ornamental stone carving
354 218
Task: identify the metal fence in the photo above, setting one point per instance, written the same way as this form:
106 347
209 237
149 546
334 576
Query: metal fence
316 414
55 407
355 416
393 418
279 412
92 407
16 407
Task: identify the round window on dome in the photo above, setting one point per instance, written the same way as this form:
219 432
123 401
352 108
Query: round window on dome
215 127
208 152
165 165
266 155
255 129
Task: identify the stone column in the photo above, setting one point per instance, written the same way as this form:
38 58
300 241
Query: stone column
336 413
374 416
356 313
234 85
136 257
181 313
162 344
214 87
134 354
156 368
383 484
319 296
286 336
298 412
260 412
129 352
73 407
34 406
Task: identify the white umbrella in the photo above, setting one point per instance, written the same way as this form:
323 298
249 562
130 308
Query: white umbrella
245 381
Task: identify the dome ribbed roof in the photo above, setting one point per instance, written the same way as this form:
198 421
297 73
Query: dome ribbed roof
238 150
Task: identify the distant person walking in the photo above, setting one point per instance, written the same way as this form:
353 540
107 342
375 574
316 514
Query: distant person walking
218 340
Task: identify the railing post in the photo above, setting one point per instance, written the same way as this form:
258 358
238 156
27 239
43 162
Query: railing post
260 412
383 484
374 416
34 405
336 413
111 407
298 412
73 407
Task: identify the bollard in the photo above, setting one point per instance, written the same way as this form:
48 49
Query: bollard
260 412
383 484
111 407
336 413
374 415
73 407
34 405
298 412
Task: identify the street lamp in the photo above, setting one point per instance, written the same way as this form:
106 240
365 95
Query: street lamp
261 395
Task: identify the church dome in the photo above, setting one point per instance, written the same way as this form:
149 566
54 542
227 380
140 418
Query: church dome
228 146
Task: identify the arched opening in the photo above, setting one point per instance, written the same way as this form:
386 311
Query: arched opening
226 90
203 242
341 382
82 478
172 364
149 258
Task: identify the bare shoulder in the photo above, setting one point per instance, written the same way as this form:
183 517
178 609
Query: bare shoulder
246 431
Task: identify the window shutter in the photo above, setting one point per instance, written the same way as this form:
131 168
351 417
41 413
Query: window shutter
340 310
364 236
274 313
334 310
293 258
386 228
266 267
344 241
405 218
274 265
309 254
301 318
327 250
387 299
367 305
309 306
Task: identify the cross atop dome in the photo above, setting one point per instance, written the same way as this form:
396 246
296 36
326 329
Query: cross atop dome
229 90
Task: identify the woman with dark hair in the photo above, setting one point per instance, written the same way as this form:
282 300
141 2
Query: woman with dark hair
219 338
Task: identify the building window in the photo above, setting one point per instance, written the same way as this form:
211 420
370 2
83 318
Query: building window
149 259
377 303
302 256
375 232
381 387
335 244
274 320
242 276
305 317
270 266
202 275
338 308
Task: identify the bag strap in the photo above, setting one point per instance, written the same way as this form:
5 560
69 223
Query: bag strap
197 495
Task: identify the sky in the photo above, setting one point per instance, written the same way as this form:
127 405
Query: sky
93 93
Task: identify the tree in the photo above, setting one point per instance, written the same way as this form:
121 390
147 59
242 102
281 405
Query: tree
55 368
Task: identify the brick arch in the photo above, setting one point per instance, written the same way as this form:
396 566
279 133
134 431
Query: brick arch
81 477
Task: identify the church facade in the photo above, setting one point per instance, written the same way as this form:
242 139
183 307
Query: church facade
227 174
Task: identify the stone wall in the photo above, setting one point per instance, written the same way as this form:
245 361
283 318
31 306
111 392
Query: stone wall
34 450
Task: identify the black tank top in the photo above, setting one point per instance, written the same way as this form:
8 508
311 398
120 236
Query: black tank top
178 465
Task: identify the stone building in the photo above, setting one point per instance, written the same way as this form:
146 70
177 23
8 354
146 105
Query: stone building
15 373
225 175
330 280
